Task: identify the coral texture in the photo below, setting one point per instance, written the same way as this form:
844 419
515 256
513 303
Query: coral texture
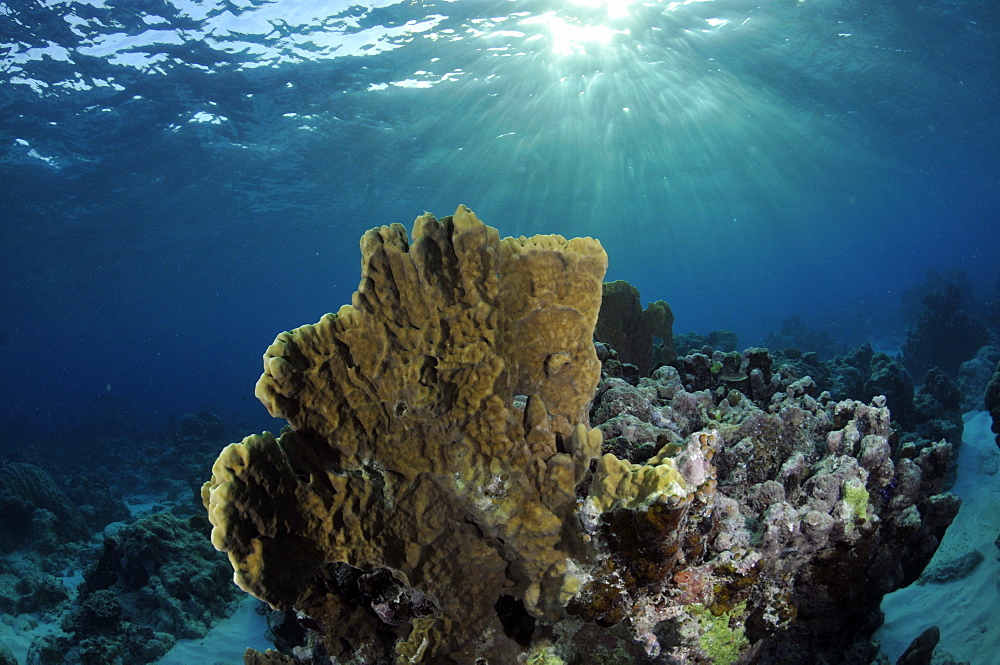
766 528
439 427
269 657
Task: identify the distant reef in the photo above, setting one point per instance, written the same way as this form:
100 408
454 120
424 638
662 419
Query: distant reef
155 580
992 401
116 588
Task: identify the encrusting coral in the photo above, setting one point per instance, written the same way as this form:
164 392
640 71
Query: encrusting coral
439 428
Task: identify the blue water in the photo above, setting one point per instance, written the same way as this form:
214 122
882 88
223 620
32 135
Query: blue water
180 180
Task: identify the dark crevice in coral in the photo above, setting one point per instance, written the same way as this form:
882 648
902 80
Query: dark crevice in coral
517 623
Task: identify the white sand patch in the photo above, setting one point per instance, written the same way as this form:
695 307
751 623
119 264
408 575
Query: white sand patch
144 505
965 610
17 632
226 642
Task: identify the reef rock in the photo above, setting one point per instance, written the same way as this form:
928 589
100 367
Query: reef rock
724 340
952 569
6 655
26 587
937 411
34 511
921 650
156 580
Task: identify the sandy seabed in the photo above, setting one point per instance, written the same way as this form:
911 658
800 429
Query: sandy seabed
967 611
226 642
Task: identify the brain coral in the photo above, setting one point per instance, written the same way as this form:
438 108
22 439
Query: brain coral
438 429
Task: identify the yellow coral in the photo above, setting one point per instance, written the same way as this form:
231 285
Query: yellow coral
618 483
409 448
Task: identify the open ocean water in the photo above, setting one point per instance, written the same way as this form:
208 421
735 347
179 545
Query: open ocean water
181 180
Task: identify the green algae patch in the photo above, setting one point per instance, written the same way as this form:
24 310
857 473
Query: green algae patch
856 496
723 636
543 655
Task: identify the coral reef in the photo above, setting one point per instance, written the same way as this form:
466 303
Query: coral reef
755 531
164 559
937 410
95 501
439 428
613 365
724 340
201 426
35 511
796 334
921 650
990 311
26 587
954 568
889 378
145 583
168 463
919 417
269 657
811 518
628 328
911 301
436 498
